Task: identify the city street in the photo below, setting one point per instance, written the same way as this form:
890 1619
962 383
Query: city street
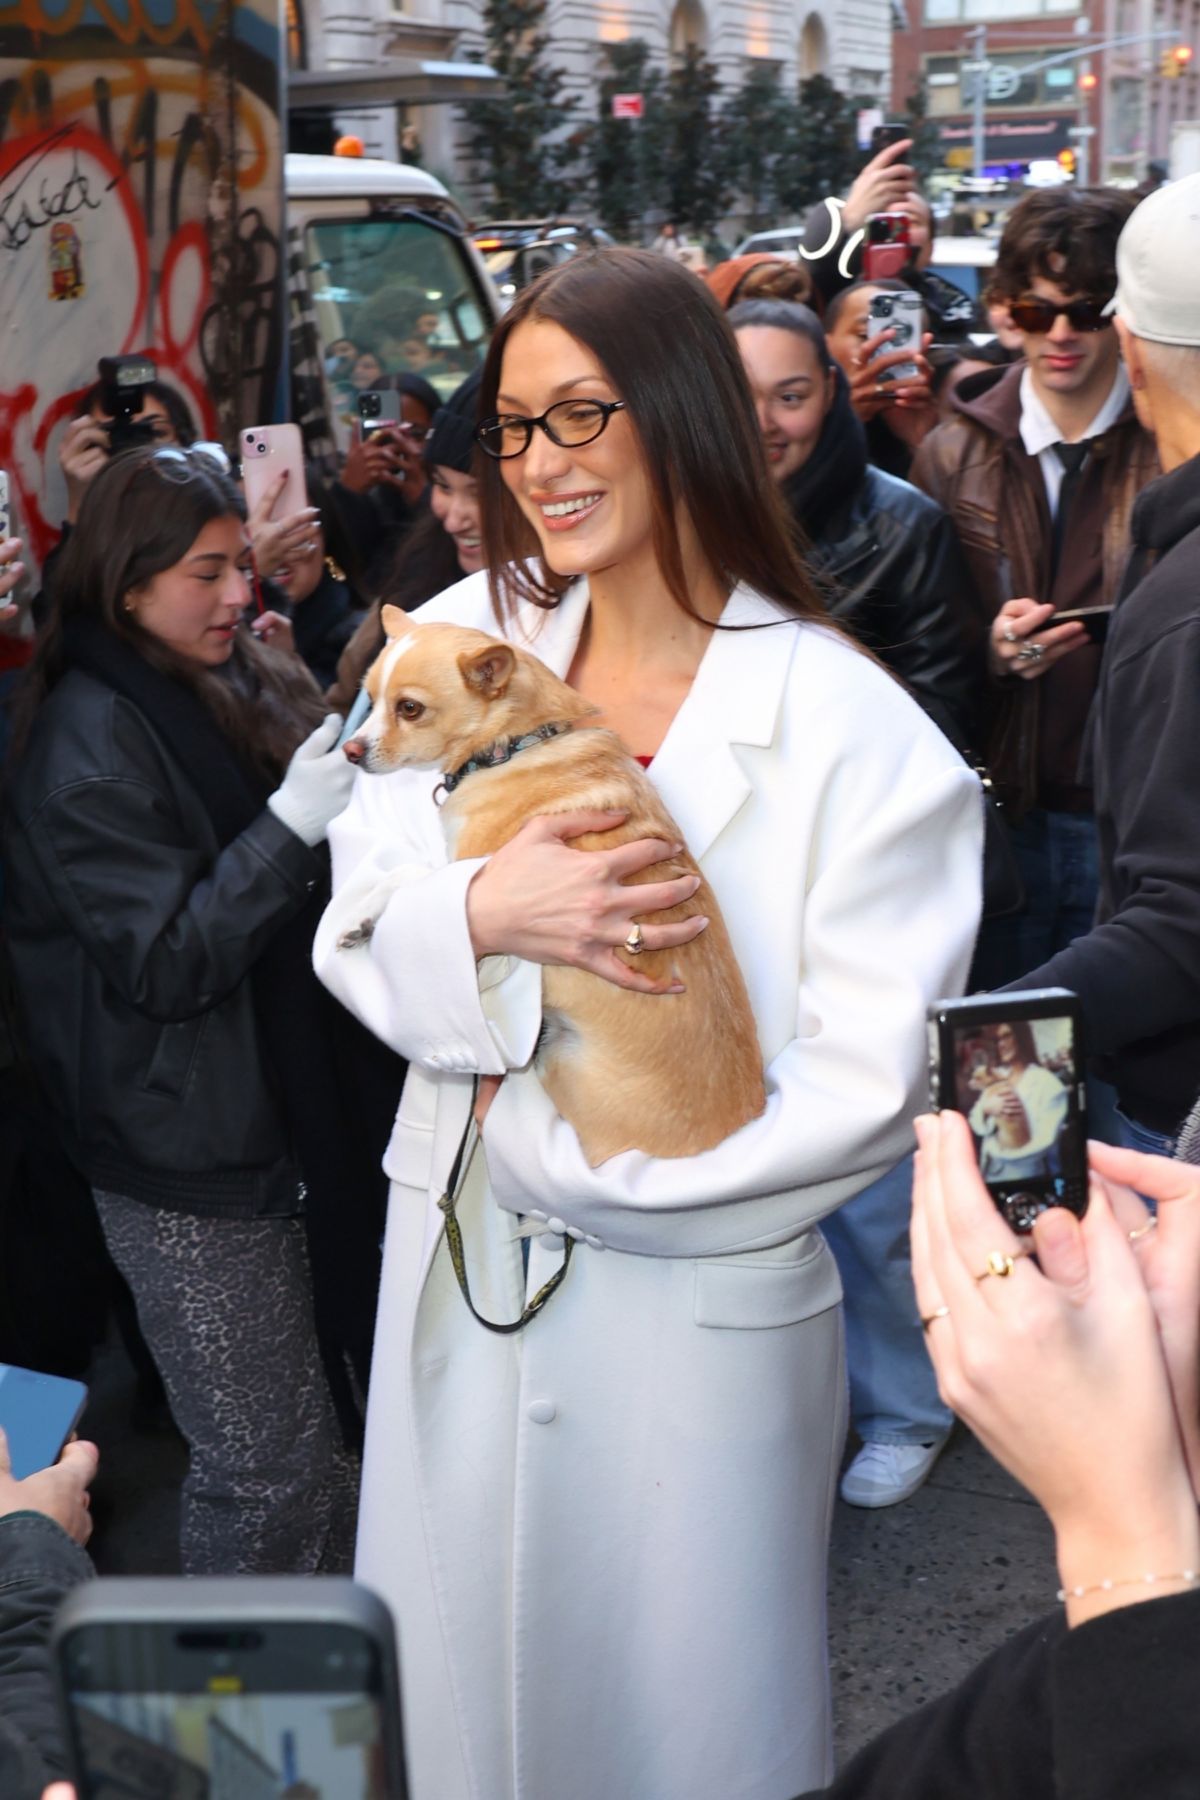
919 1592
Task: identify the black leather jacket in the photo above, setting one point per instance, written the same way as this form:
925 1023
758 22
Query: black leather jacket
892 573
132 935
39 1565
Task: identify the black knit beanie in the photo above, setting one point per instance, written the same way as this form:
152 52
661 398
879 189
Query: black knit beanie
451 440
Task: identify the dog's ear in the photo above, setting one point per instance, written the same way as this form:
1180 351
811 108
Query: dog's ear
488 671
395 621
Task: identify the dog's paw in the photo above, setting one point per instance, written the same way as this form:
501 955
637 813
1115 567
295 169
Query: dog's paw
362 933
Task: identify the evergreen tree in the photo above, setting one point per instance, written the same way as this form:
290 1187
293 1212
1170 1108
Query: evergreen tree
694 187
926 154
517 145
757 125
624 156
822 154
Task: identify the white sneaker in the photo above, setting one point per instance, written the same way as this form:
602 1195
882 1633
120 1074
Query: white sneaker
886 1474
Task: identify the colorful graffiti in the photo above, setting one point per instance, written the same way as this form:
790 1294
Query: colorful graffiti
140 210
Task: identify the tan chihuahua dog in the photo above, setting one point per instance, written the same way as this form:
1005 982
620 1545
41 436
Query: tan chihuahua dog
669 1075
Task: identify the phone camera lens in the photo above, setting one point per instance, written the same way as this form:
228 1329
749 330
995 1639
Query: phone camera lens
261 448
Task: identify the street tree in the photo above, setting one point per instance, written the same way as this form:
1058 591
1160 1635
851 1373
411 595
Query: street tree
822 154
757 126
624 156
926 153
694 186
518 146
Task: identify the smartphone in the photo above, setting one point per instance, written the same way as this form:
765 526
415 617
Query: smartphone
123 384
887 251
5 509
1094 620
266 450
179 1689
378 410
38 1413
906 316
892 131
354 718
1013 1065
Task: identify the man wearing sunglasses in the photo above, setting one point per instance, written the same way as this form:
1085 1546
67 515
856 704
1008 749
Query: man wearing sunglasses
1039 466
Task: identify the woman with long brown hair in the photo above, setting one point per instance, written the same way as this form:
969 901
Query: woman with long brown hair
605 1534
165 819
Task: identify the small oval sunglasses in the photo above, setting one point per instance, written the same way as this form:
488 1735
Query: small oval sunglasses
568 423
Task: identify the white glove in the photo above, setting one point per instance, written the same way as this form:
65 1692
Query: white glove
317 785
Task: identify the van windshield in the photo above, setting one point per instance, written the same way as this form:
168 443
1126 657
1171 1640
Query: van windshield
392 296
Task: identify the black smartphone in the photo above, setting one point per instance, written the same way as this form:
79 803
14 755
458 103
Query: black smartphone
274 1685
1094 620
38 1413
892 131
379 410
1013 1065
123 384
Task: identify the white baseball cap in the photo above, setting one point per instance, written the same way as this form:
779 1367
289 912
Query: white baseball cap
1157 255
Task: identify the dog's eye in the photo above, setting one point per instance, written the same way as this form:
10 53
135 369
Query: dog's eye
409 709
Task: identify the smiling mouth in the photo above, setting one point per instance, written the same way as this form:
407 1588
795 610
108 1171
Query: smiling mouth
563 509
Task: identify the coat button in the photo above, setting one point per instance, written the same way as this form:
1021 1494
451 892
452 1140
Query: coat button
593 1243
533 1213
542 1411
556 1225
574 1234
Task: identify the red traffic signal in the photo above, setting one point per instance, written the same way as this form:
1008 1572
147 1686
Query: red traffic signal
1088 82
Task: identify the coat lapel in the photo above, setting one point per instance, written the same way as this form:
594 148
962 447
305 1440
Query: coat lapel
735 699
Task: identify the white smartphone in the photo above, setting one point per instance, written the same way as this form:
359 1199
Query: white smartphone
906 316
354 718
266 451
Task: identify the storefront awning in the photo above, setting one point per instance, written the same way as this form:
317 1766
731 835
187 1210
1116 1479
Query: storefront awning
411 81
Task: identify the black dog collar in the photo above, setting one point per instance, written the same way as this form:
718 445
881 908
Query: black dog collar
502 751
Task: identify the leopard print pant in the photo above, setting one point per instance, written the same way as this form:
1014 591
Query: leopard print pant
225 1306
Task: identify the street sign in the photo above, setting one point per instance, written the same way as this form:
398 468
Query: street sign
1081 131
1003 81
627 106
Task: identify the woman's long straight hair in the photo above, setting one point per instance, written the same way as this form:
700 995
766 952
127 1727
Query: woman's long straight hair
664 344
140 516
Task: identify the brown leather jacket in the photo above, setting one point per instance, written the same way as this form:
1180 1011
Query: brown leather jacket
976 467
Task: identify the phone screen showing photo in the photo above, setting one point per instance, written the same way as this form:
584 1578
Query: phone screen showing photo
233 1730
1018 1083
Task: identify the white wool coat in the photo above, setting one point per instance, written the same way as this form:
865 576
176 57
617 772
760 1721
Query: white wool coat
605 1538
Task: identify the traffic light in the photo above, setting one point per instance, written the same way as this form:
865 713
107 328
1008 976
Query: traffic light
1066 161
1174 62
1088 82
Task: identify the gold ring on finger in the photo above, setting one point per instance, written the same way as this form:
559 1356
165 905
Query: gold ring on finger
1001 1264
939 1312
635 943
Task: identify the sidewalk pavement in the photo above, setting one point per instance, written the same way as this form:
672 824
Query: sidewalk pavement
918 1592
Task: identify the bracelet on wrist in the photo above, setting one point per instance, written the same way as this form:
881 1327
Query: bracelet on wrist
1190 1577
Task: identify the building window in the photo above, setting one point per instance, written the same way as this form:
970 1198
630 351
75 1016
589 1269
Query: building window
814 47
950 91
953 12
689 28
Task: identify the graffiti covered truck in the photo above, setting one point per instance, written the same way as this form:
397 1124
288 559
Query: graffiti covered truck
142 211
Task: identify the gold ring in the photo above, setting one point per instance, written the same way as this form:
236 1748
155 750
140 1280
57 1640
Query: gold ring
1135 1237
1000 1263
635 943
939 1312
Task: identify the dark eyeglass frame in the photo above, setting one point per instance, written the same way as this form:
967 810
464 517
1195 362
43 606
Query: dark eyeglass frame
507 421
1082 315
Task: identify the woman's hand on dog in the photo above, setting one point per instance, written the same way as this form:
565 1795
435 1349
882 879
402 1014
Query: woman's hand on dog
541 900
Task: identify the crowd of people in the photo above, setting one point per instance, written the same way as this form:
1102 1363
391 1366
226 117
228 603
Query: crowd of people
908 658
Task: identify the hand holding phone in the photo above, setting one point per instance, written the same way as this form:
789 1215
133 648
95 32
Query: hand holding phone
1013 1065
887 251
904 315
269 452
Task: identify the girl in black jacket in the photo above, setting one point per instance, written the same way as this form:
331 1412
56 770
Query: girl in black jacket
886 557
162 875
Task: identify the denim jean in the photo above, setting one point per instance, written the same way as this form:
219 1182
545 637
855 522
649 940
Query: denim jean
893 1390
1057 855
1133 1136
